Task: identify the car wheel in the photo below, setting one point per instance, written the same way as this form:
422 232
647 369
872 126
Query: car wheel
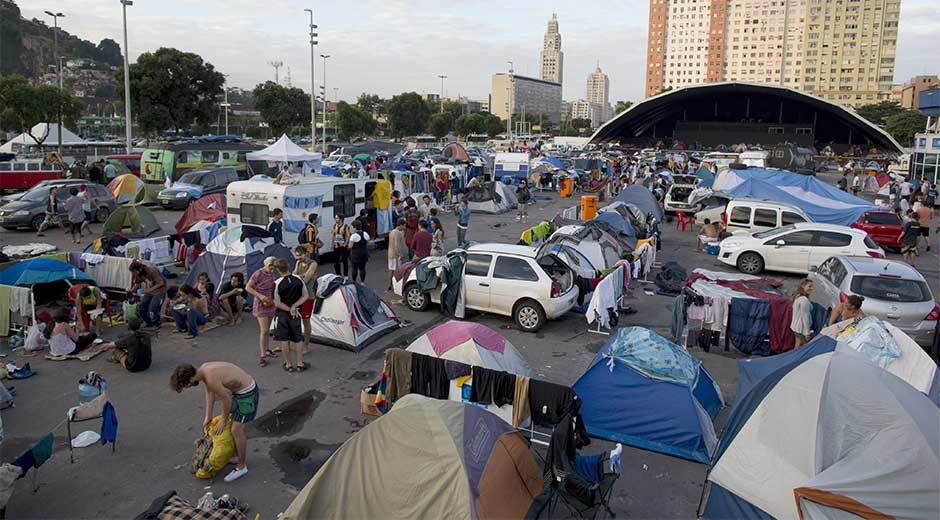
415 299
750 263
102 214
36 222
529 316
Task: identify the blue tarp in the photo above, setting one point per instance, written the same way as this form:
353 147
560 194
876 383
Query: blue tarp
40 270
820 201
554 161
641 198
706 177
329 172
651 394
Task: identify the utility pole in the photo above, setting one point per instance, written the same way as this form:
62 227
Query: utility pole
443 77
277 64
336 112
58 73
512 87
323 93
127 82
313 84
225 105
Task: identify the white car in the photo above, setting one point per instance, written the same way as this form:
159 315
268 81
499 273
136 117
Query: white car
797 248
677 198
510 280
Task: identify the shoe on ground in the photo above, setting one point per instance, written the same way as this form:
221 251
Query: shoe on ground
236 474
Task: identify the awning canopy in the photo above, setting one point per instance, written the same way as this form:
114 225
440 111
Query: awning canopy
284 150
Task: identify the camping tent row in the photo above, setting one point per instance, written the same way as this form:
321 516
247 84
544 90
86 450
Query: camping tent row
491 197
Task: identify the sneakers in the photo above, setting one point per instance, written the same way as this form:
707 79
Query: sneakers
236 474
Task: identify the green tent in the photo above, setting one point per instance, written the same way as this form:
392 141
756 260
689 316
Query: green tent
362 157
132 221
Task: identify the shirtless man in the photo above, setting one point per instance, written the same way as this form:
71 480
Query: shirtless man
235 389
707 234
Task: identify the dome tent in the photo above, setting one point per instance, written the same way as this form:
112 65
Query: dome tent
491 197
231 252
426 458
132 221
127 189
645 391
348 315
473 344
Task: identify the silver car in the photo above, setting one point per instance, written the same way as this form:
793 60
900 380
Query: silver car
893 291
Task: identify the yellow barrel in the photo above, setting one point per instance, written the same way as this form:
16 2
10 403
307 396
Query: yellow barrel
588 207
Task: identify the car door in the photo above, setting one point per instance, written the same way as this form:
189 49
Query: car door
514 278
764 219
789 217
210 183
740 218
827 244
788 252
477 280
825 292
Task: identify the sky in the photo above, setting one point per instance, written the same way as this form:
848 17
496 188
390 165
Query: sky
386 47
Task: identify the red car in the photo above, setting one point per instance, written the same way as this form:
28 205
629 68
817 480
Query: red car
884 227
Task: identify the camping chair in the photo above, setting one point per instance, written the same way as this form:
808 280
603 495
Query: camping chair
86 412
583 498
682 220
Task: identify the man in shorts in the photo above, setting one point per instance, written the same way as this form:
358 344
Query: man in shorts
290 293
235 389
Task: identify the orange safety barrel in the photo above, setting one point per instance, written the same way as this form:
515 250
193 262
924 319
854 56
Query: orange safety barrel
588 207
566 186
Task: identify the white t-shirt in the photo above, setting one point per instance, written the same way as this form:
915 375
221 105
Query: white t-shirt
355 237
61 344
905 188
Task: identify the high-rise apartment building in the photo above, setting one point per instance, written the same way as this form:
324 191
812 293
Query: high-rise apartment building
598 87
551 59
842 50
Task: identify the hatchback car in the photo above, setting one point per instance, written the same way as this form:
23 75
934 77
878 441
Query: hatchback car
529 284
195 184
893 291
884 227
29 208
677 198
797 248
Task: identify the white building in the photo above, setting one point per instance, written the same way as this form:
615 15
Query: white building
584 109
598 93
551 58
515 94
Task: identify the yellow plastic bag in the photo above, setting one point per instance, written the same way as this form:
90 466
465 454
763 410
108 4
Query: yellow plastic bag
223 448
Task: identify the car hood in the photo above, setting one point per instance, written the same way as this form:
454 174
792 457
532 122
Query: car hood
15 196
18 205
193 190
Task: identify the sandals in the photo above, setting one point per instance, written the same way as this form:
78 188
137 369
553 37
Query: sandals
288 368
270 353
304 366
262 362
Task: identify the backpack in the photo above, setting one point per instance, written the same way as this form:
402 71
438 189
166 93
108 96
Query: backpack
302 236
200 460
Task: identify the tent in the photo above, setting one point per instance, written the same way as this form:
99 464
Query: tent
348 314
820 201
835 436
641 198
132 221
228 253
491 197
648 392
40 270
426 458
599 247
283 150
210 208
455 151
472 344
51 133
127 189
706 177
618 226
576 260
892 350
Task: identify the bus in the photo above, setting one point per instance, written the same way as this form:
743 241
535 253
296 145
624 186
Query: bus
164 163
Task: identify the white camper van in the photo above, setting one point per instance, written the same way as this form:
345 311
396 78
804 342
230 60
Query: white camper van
251 202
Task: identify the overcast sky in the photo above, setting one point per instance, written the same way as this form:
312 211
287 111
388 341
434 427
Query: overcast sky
392 46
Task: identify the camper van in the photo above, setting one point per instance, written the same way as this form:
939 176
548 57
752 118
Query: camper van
251 203
515 165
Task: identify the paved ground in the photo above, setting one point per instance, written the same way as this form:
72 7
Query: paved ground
317 410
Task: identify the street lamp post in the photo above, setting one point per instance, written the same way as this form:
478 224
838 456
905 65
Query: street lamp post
225 104
443 77
127 82
336 112
512 88
325 57
58 71
313 84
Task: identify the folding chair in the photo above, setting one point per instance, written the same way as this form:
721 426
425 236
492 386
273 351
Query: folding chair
86 412
585 499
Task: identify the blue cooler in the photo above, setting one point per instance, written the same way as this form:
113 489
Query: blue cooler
712 249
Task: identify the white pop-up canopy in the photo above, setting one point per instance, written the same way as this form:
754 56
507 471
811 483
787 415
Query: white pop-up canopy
51 133
284 150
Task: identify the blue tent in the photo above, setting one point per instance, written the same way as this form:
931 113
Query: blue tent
40 270
641 198
645 391
618 222
329 172
753 370
821 202
706 177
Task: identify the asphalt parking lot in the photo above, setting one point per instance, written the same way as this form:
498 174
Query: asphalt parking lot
318 409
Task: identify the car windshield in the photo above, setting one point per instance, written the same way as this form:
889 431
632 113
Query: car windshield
775 231
891 289
35 195
190 178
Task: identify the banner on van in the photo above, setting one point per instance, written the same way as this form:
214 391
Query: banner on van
298 209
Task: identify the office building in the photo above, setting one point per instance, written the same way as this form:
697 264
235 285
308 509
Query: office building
551 59
598 93
841 50
584 109
908 94
515 94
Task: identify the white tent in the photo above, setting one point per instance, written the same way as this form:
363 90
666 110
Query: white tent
283 151
50 131
492 197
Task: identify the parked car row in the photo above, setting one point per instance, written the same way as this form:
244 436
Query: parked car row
28 209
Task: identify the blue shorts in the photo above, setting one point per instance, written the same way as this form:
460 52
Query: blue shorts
245 405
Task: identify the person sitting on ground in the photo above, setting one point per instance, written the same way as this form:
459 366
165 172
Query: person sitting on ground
196 314
850 309
207 288
132 350
173 297
707 234
238 393
64 339
232 298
